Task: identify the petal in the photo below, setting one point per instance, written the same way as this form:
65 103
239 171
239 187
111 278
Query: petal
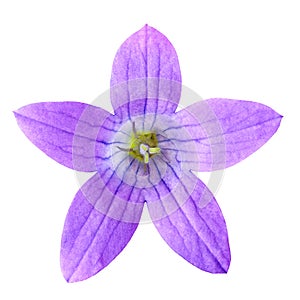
65 131
146 66
224 131
135 108
196 230
92 238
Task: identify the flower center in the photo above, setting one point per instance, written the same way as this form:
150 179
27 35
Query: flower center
143 145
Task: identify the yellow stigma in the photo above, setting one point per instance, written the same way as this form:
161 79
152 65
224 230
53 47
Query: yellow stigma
143 145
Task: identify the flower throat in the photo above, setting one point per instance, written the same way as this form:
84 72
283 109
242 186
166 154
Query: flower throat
142 145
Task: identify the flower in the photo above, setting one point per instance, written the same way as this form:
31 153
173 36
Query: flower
146 152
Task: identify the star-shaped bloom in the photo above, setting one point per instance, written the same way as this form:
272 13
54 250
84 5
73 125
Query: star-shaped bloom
146 152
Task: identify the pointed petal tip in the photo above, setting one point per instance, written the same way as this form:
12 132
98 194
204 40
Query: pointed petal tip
279 118
75 276
72 279
147 29
220 269
278 115
17 112
150 29
64 270
146 26
67 278
18 115
225 269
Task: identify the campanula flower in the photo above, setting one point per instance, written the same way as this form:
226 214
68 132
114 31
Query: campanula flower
146 152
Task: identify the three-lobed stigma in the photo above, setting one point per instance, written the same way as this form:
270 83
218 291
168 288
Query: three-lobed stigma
142 145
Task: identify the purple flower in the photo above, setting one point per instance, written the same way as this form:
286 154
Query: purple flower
146 152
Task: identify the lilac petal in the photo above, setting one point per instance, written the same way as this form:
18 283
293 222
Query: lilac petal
196 230
135 108
91 239
146 66
65 131
224 132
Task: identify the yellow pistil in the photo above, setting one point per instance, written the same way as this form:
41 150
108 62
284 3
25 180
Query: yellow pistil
143 145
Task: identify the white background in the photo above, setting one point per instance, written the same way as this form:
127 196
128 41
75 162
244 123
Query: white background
63 50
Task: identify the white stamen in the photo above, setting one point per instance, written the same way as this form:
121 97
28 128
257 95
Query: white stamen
144 151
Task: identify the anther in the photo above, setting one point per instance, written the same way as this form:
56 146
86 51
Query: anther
154 150
144 152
